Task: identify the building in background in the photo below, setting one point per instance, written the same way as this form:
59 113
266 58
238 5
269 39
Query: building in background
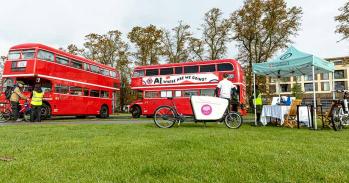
323 83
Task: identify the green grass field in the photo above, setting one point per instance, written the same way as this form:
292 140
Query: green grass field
189 153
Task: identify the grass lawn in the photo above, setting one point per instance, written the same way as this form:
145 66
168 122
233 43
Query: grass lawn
190 153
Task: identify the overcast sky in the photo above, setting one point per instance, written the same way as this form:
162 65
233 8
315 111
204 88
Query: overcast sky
58 23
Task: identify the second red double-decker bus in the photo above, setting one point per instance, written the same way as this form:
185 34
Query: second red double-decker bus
155 83
72 85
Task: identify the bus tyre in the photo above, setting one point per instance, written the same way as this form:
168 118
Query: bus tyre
136 112
104 112
45 111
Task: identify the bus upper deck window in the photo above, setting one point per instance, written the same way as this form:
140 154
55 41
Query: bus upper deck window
166 71
138 73
14 55
28 54
76 64
152 72
45 55
94 68
207 68
225 67
62 60
191 69
178 70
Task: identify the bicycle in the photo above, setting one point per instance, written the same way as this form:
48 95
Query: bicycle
6 113
340 115
208 109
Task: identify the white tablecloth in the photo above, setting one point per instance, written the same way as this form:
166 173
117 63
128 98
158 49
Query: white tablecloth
279 112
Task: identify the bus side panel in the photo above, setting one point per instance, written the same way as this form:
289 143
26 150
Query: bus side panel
183 105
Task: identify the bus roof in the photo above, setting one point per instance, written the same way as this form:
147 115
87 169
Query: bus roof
44 47
187 64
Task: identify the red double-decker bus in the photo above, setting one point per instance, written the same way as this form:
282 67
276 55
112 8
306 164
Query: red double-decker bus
72 85
155 83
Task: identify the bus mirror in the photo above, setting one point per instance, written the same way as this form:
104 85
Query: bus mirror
37 80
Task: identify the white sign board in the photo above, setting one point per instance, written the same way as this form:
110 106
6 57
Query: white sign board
208 108
178 79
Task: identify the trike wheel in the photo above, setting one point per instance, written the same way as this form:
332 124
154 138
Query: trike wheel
233 120
165 117
337 117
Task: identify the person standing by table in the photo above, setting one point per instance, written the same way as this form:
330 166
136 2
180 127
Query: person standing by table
258 101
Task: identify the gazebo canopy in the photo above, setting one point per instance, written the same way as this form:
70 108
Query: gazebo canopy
292 63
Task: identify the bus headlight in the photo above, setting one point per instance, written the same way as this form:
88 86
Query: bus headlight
2 105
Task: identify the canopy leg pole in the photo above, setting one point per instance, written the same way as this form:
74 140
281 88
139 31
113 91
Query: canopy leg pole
314 95
333 88
254 99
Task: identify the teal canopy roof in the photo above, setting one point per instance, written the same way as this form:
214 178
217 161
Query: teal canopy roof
292 63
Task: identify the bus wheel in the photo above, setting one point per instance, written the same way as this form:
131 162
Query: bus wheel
104 112
45 111
136 112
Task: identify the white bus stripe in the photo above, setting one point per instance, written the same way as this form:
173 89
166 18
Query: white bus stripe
62 79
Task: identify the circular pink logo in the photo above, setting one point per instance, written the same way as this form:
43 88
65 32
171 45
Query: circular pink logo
206 109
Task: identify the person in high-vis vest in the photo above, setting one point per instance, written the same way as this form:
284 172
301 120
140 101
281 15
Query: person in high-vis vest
259 103
36 104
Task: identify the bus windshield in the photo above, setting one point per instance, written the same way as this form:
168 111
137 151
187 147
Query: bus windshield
14 55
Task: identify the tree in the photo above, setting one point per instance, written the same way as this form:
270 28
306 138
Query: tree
73 49
297 91
110 49
2 61
216 33
343 20
196 49
261 28
147 41
175 46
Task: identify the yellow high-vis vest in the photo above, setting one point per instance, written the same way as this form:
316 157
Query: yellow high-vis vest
37 98
258 100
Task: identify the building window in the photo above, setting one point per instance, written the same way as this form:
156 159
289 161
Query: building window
339 85
45 55
152 72
308 77
272 80
178 70
207 92
207 68
191 69
285 79
325 86
166 71
272 88
152 94
339 74
309 87
324 76
225 67
285 87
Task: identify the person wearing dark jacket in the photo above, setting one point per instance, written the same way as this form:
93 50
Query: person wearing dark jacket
14 100
36 104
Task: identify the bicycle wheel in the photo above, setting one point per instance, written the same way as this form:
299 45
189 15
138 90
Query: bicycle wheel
165 117
6 115
233 120
337 117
